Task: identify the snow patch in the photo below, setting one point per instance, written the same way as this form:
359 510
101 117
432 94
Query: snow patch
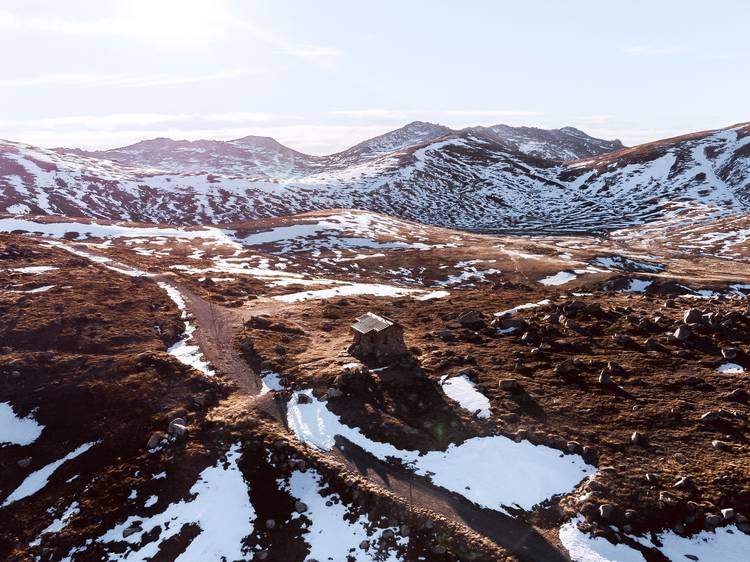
511 473
15 430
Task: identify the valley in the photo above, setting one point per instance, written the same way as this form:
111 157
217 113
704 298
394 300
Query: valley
186 392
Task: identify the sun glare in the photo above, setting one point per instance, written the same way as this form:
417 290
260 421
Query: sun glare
172 20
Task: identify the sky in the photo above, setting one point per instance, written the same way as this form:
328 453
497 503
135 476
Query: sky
320 76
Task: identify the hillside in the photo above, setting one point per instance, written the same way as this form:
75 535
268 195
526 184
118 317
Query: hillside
459 179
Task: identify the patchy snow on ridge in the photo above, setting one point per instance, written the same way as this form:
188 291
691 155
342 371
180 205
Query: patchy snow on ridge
330 535
351 289
511 473
38 479
15 430
94 230
218 503
186 353
725 544
730 368
462 389
559 278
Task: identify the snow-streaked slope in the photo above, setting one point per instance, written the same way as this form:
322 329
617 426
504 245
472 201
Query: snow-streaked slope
567 143
461 179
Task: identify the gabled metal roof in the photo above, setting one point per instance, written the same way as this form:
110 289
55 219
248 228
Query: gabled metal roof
369 322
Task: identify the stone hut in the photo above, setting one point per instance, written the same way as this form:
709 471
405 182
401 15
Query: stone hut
377 337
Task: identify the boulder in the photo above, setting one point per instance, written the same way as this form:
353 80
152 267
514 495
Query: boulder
606 511
333 393
637 438
682 333
728 514
300 507
176 421
567 368
178 430
509 385
471 319
692 316
729 352
155 439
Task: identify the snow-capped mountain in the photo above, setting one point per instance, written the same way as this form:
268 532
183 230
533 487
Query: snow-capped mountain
249 156
449 178
567 143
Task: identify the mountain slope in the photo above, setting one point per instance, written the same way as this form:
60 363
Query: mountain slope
460 179
567 143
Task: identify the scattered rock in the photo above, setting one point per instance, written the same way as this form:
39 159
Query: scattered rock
566 368
728 514
509 384
334 393
692 316
155 439
682 333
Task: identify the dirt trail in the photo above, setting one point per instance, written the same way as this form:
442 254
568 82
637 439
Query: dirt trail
512 534
217 327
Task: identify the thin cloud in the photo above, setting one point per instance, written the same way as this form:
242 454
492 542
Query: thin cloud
373 113
311 51
121 80
165 21
648 50
7 19
492 113
132 121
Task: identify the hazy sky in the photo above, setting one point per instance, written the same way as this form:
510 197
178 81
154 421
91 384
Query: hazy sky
321 75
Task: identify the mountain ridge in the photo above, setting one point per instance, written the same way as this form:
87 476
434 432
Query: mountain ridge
461 179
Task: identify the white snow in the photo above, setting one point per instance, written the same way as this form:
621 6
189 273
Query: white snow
637 286
15 430
60 523
270 380
558 278
330 536
94 230
434 295
584 548
730 368
462 390
34 269
42 289
725 544
38 479
510 473
350 289
520 307
218 503
186 353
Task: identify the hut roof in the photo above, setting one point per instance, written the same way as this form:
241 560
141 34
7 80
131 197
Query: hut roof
369 322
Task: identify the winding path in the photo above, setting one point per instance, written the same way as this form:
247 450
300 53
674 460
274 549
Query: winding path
219 326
